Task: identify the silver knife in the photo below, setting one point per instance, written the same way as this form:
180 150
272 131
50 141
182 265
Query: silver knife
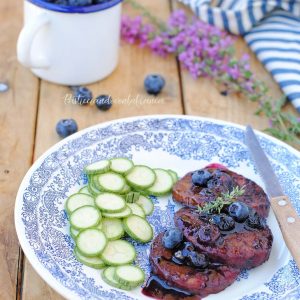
285 213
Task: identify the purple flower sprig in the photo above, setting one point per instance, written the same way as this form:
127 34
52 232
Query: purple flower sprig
206 51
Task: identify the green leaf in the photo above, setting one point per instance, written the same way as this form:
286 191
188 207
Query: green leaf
248 74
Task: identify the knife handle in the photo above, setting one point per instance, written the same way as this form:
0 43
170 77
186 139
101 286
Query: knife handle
289 223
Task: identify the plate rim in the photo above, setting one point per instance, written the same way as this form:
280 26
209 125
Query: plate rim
34 262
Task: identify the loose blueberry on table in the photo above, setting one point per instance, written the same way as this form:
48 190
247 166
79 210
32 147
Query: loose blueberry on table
66 127
154 83
103 102
82 95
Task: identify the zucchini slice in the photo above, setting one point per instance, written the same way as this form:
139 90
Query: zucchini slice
97 167
78 200
136 210
74 232
93 262
108 277
111 203
126 189
118 252
91 242
85 217
110 182
140 177
129 275
84 190
93 190
121 165
146 204
174 175
122 214
163 183
138 228
112 228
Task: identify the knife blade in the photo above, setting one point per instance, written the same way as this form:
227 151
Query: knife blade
262 163
286 215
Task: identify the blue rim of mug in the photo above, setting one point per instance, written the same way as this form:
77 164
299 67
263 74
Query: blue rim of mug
75 9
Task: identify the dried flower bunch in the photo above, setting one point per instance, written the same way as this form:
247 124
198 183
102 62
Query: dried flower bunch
207 51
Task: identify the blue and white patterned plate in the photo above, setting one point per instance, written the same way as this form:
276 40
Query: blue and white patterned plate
176 142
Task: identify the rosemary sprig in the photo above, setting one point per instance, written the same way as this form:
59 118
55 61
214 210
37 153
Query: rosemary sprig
224 199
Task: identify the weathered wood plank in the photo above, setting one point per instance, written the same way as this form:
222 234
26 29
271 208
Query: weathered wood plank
126 82
17 119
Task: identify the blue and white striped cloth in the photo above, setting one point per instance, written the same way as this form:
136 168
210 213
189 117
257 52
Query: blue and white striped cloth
270 27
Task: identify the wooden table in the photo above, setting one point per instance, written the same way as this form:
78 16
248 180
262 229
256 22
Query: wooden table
30 109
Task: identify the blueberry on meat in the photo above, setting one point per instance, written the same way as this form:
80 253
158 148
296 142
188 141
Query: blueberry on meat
239 211
154 84
201 177
82 95
224 222
198 260
178 255
103 102
255 221
66 127
172 238
208 234
220 182
187 249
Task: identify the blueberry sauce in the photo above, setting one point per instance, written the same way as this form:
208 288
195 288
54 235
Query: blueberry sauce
159 289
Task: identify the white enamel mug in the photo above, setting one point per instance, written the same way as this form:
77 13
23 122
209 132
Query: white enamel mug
70 45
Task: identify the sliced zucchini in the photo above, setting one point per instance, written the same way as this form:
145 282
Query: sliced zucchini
118 252
129 275
132 197
94 182
91 242
174 175
93 190
126 189
111 182
108 277
93 262
78 200
97 167
140 177
109 202
163 183
84 190
99 226
146 203
85 217
112 228
74 232
136 210
122 214
121 165
138 228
